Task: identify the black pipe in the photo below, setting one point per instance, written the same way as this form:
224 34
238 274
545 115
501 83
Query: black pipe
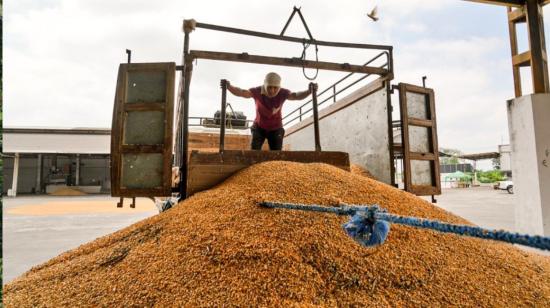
222 115
315 116
129 53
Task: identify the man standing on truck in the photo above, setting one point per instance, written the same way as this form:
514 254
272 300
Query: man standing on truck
269 99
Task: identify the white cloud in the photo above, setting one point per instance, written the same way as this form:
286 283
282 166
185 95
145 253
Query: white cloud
61 56
470 105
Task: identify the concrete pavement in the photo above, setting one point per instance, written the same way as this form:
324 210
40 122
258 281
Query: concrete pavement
30 240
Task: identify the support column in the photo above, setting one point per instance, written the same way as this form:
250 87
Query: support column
38 174
530 144
537 45
77 175
13 190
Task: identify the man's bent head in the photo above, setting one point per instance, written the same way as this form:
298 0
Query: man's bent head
272 84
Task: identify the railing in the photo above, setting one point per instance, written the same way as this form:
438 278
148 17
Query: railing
302 113
396 124
215 122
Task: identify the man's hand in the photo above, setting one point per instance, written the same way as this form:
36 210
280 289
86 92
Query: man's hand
296 96
225 82
313 87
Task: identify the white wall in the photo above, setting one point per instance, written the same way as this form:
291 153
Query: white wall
361 129
529 126
505 151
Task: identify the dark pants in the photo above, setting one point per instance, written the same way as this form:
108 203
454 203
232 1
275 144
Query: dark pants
274 138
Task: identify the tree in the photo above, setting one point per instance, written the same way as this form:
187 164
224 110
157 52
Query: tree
453 159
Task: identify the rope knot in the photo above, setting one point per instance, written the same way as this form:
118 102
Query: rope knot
365 229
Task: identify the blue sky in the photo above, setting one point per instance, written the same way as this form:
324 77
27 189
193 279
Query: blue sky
61 56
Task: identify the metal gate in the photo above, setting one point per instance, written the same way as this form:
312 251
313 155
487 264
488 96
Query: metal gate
419 140
141 134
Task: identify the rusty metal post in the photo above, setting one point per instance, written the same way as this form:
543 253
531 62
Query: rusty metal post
315 117
222 115
188 26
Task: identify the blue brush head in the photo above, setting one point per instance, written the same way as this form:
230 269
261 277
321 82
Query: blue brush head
366 230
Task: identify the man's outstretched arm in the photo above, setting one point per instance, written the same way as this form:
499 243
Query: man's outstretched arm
238 91
296 96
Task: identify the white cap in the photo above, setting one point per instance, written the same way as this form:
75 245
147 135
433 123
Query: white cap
272 80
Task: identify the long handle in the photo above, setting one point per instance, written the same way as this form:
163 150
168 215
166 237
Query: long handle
223 84
315 116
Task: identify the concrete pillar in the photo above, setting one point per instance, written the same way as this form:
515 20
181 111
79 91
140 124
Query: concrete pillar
77 176
13 191
529 126
38 173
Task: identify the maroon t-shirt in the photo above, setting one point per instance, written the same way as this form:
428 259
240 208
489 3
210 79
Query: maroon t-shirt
265 118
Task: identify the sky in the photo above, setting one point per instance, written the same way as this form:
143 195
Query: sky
61 57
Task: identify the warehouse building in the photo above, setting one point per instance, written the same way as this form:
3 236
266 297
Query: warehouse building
43 160
39 160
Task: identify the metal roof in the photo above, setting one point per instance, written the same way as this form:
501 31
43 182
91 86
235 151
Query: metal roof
480 156
72 140
66 141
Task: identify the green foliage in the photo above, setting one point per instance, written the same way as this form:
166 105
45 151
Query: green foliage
490 176
450 160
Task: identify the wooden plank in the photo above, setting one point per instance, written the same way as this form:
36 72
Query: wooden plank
339 159
514 50
539 67
295 62
168 130
389 110
435 145
421 122
289 38
421 156
425 190
416 89
209 169
210 176
404 136
517 15
523 59
116 134
153 106
201 141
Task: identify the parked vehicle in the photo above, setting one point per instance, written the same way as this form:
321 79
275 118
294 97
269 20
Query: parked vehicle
505 185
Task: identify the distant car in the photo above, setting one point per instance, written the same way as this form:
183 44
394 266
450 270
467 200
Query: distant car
505 185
